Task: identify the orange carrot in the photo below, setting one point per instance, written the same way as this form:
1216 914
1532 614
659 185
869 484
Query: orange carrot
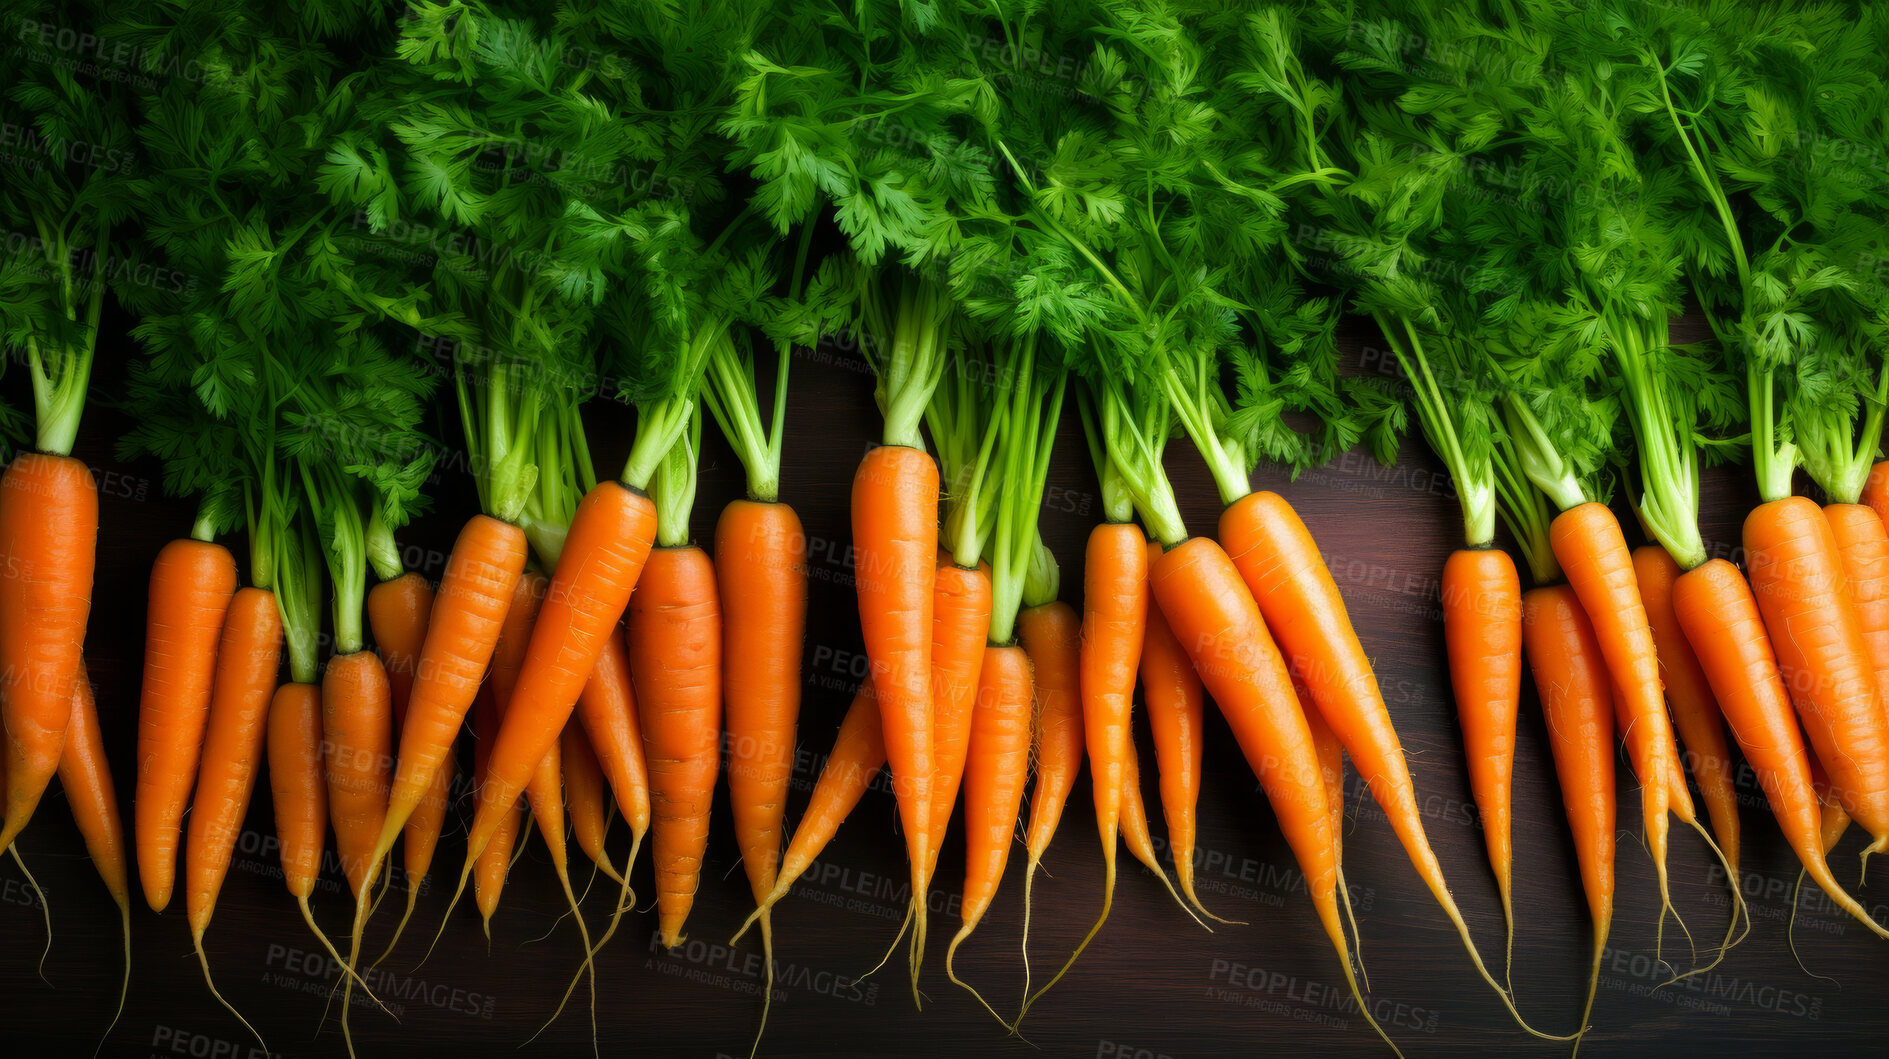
1114 624
675 645
86 777
1587 542
49 534
1482 628
1288 579
493 863
1205 601
995 770
895 541
398 612
191 585
1051 635
1176 711
1864 548
357 752
598 568
584 797
1134 827
1798 582
761 575
1695 711
858 753
1576 705
1876 490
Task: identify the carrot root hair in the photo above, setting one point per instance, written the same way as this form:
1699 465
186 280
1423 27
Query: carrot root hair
588 964
911 912
413 899
1593 982
348 974
196 939
951 953
1108 903
1790 931
626 899
1357 938
1185 875
1739 911
46 910
767 998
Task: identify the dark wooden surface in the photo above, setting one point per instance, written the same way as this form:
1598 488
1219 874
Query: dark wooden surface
1153 985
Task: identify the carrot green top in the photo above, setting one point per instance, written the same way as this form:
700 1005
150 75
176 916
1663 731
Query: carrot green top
1031 403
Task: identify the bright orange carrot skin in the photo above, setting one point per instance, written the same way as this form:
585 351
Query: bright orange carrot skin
397 614
232 748
1721 620
191 585
1576 703
607 710
675 645
1482 630
491 865
295 784
1051 635
1331 763
960 626
608 543
1205 601
1876 490
1695 711
895 540
994 774
1797 579
583 792
357 753
1593 554
1863 546
1280 564
1135 833
858 753
1114 624
468 612
86 778
49 535
1176 712
761 571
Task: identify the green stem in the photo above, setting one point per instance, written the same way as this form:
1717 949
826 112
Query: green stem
661 423
1537 458
732 396
673 487
383 552
1474 476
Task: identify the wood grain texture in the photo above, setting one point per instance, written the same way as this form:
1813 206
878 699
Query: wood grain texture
1154 984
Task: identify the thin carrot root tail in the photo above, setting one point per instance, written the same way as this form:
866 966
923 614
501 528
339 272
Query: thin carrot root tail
124 987
362 911
951 972
347 967
196 939
626 898
413 898
1185 871
1790 931
1739 908
587 965
1462 929
386 884
918 944
1108 902
1508 949
1185 907
1357 939
44 908
910 912
458 892
1593 985
1029 877
767 998
1365 1009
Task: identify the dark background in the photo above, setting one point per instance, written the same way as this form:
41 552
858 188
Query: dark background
1153 985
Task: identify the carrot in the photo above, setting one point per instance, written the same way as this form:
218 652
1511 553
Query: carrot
1695 711
1134 827
1722 621
584 797
675 645
995 770
397 613
858 753
1331 766
1278 561
961 602
1587 542
598 568
761 580
462 629
1482 629
545 794
1204 598
1876 490
1176 710
86 777
49 534
1576 706
1114 624
493 863
357 752
1051 634
239 723
1798 582
607 711
895 539
1863 545
191 584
